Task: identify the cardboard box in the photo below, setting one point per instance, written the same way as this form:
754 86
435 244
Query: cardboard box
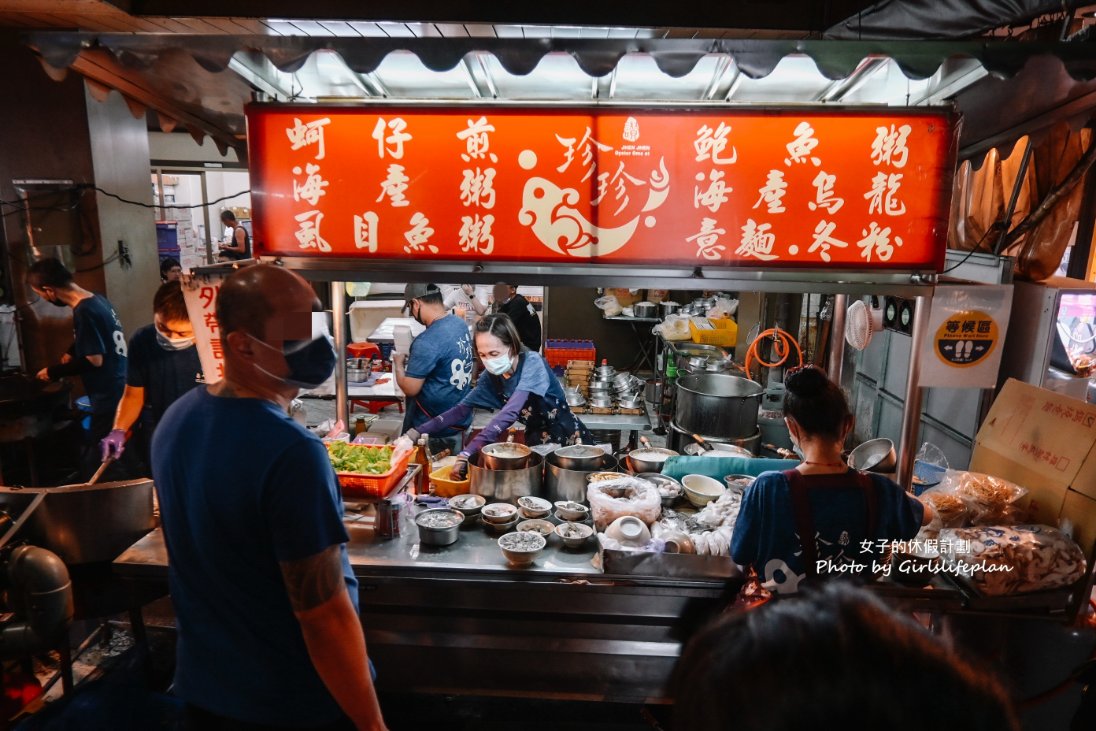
1045 442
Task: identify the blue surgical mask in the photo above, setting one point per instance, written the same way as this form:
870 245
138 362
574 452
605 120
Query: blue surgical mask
174 343
499 365
311 362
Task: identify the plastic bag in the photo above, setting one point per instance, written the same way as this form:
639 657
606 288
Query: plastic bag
674 327
991 500
949 510
608 305
999 560
612 499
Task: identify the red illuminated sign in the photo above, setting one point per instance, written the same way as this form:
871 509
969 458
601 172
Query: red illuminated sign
760 188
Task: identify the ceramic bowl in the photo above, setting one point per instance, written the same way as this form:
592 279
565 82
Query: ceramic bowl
569 510
574 535
468 504
521 548
629 530
499 528
534 507
701 489
499 513
544 527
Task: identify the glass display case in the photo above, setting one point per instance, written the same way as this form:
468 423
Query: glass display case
1051 340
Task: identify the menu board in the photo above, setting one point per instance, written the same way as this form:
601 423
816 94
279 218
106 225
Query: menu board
788 188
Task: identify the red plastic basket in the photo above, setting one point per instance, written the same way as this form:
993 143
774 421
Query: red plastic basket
356 485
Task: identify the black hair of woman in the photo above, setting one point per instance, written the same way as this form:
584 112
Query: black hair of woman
502 327
816 403
831 657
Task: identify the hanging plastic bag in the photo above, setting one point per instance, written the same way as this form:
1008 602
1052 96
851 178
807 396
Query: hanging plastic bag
608 305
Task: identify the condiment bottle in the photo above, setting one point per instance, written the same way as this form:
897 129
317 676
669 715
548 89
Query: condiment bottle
421 457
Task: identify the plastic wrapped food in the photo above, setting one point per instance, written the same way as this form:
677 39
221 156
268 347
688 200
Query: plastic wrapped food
614 498
709 530
991 500
1000 560
950 510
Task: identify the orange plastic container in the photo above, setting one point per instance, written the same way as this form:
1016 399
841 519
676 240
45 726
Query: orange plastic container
358 486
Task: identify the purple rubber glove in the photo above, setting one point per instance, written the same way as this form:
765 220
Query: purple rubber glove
113 444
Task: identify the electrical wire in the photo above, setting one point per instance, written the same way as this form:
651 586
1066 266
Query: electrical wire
20 205
971 253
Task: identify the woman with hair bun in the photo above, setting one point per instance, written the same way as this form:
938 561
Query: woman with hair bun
850 516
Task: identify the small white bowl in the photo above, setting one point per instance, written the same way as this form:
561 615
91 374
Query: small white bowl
570 511
499 513
574 535
544 527
629 530
701 489
521 548
534 507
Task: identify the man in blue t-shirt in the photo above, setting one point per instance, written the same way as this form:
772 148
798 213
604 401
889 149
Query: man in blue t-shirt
437 373
265 601
98 352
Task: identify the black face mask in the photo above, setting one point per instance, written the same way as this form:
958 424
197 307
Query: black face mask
416 316
55 302
310 362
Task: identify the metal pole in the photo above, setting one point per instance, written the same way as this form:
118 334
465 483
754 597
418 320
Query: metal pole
911 416
837 338
338 318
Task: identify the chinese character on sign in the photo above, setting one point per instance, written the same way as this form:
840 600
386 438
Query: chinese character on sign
715 195
889 146
757 241
394 186
217 347
882 196
210 320
301 134
208 295
308 233
365 231
419 234
476 188
312 187
586 146
707 241
619 183
772 193
393 143
799 149
824 197
823 240
475 234
710 144
477 143
878 241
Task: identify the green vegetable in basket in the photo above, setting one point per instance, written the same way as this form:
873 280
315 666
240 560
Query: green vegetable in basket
360 459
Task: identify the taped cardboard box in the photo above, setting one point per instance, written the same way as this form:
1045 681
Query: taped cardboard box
1045 442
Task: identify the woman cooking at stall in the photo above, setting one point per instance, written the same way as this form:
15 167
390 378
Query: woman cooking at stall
520 385
850 516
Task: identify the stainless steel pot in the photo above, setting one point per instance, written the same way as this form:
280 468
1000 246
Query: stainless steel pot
578 457
645 309
567 484
605 371
601 402
505 486
439 536
632 400
669 308
649 459
718 405
652 391
684 351
505 456
682 440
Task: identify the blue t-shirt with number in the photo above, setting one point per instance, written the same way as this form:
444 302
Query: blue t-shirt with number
98 331
442 357
228 522
765 534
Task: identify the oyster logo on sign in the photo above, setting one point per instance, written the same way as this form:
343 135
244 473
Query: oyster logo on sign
631 129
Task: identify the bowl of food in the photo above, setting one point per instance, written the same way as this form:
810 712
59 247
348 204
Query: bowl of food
668 488
521 548
544 527
468 505
499 513
500 528
505 456
570 511
738 483
534 507
574 535
701 489
439 526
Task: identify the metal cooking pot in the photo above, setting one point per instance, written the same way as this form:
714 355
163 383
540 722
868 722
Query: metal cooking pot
578 457
605 371
575 398
669 308
505 486
601 402
682 441
505 456
718 405
562 483
649 459
645 309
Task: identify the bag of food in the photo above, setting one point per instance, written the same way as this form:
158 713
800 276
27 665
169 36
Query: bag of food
612 499
950 511
991 500
1000 560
